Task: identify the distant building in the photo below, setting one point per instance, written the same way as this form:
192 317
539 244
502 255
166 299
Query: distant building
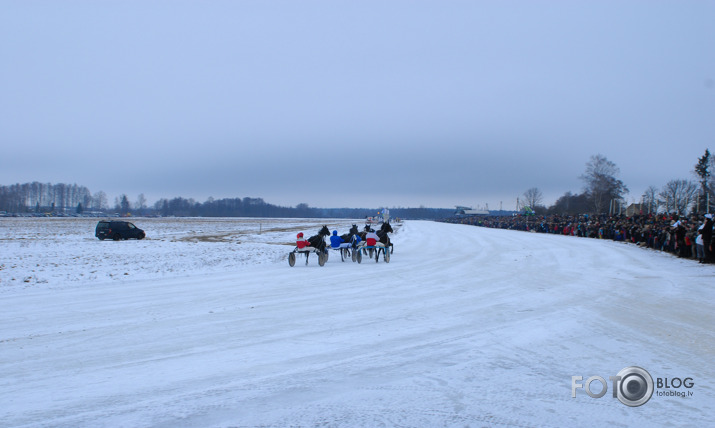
634 209
386 215
469 211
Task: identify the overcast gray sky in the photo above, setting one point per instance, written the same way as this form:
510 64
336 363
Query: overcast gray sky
354 104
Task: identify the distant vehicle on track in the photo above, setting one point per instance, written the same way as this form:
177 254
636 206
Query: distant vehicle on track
117 230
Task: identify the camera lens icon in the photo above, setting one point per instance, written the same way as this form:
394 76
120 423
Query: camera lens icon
635 387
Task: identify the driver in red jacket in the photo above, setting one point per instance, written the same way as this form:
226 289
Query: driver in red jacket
371 239
301 242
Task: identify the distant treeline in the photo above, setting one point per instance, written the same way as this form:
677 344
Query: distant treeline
257 207
43 197
66 199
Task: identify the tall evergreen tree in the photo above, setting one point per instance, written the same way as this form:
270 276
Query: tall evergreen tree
124 204
702 170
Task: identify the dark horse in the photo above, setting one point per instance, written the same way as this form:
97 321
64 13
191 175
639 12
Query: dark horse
365 231
352 232
352 238
318 241
382 234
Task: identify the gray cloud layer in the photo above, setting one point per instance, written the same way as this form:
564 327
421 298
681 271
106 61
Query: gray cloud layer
354 103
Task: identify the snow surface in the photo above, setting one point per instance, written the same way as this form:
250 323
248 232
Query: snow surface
204 324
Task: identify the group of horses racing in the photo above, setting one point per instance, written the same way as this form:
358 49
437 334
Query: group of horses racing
354 245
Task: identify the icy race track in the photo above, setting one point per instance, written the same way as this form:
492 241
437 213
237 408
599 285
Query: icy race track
204 324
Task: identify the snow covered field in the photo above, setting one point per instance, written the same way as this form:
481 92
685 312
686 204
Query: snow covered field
62 251
204 324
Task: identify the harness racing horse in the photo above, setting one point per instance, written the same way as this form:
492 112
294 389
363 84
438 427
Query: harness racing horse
350 237
352 232
384 238
316 244
318 241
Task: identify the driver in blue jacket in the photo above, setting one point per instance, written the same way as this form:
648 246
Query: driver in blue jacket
335 240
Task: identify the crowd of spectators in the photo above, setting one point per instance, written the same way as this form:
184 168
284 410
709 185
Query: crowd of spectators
684 236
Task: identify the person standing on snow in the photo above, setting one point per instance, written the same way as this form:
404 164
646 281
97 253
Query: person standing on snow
699 249
680 231
707 238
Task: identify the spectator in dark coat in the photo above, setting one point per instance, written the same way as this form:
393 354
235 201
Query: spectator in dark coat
707 238
680 231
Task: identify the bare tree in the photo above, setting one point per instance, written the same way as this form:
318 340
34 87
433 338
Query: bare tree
650 199
602 186
87 201
140 204
533 197
100 200
679 195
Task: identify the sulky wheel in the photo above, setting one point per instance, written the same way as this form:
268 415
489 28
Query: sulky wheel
354 254
359 257
291 259
322 258
387 255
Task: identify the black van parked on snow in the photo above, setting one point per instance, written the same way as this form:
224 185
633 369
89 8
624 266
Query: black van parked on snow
117 229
